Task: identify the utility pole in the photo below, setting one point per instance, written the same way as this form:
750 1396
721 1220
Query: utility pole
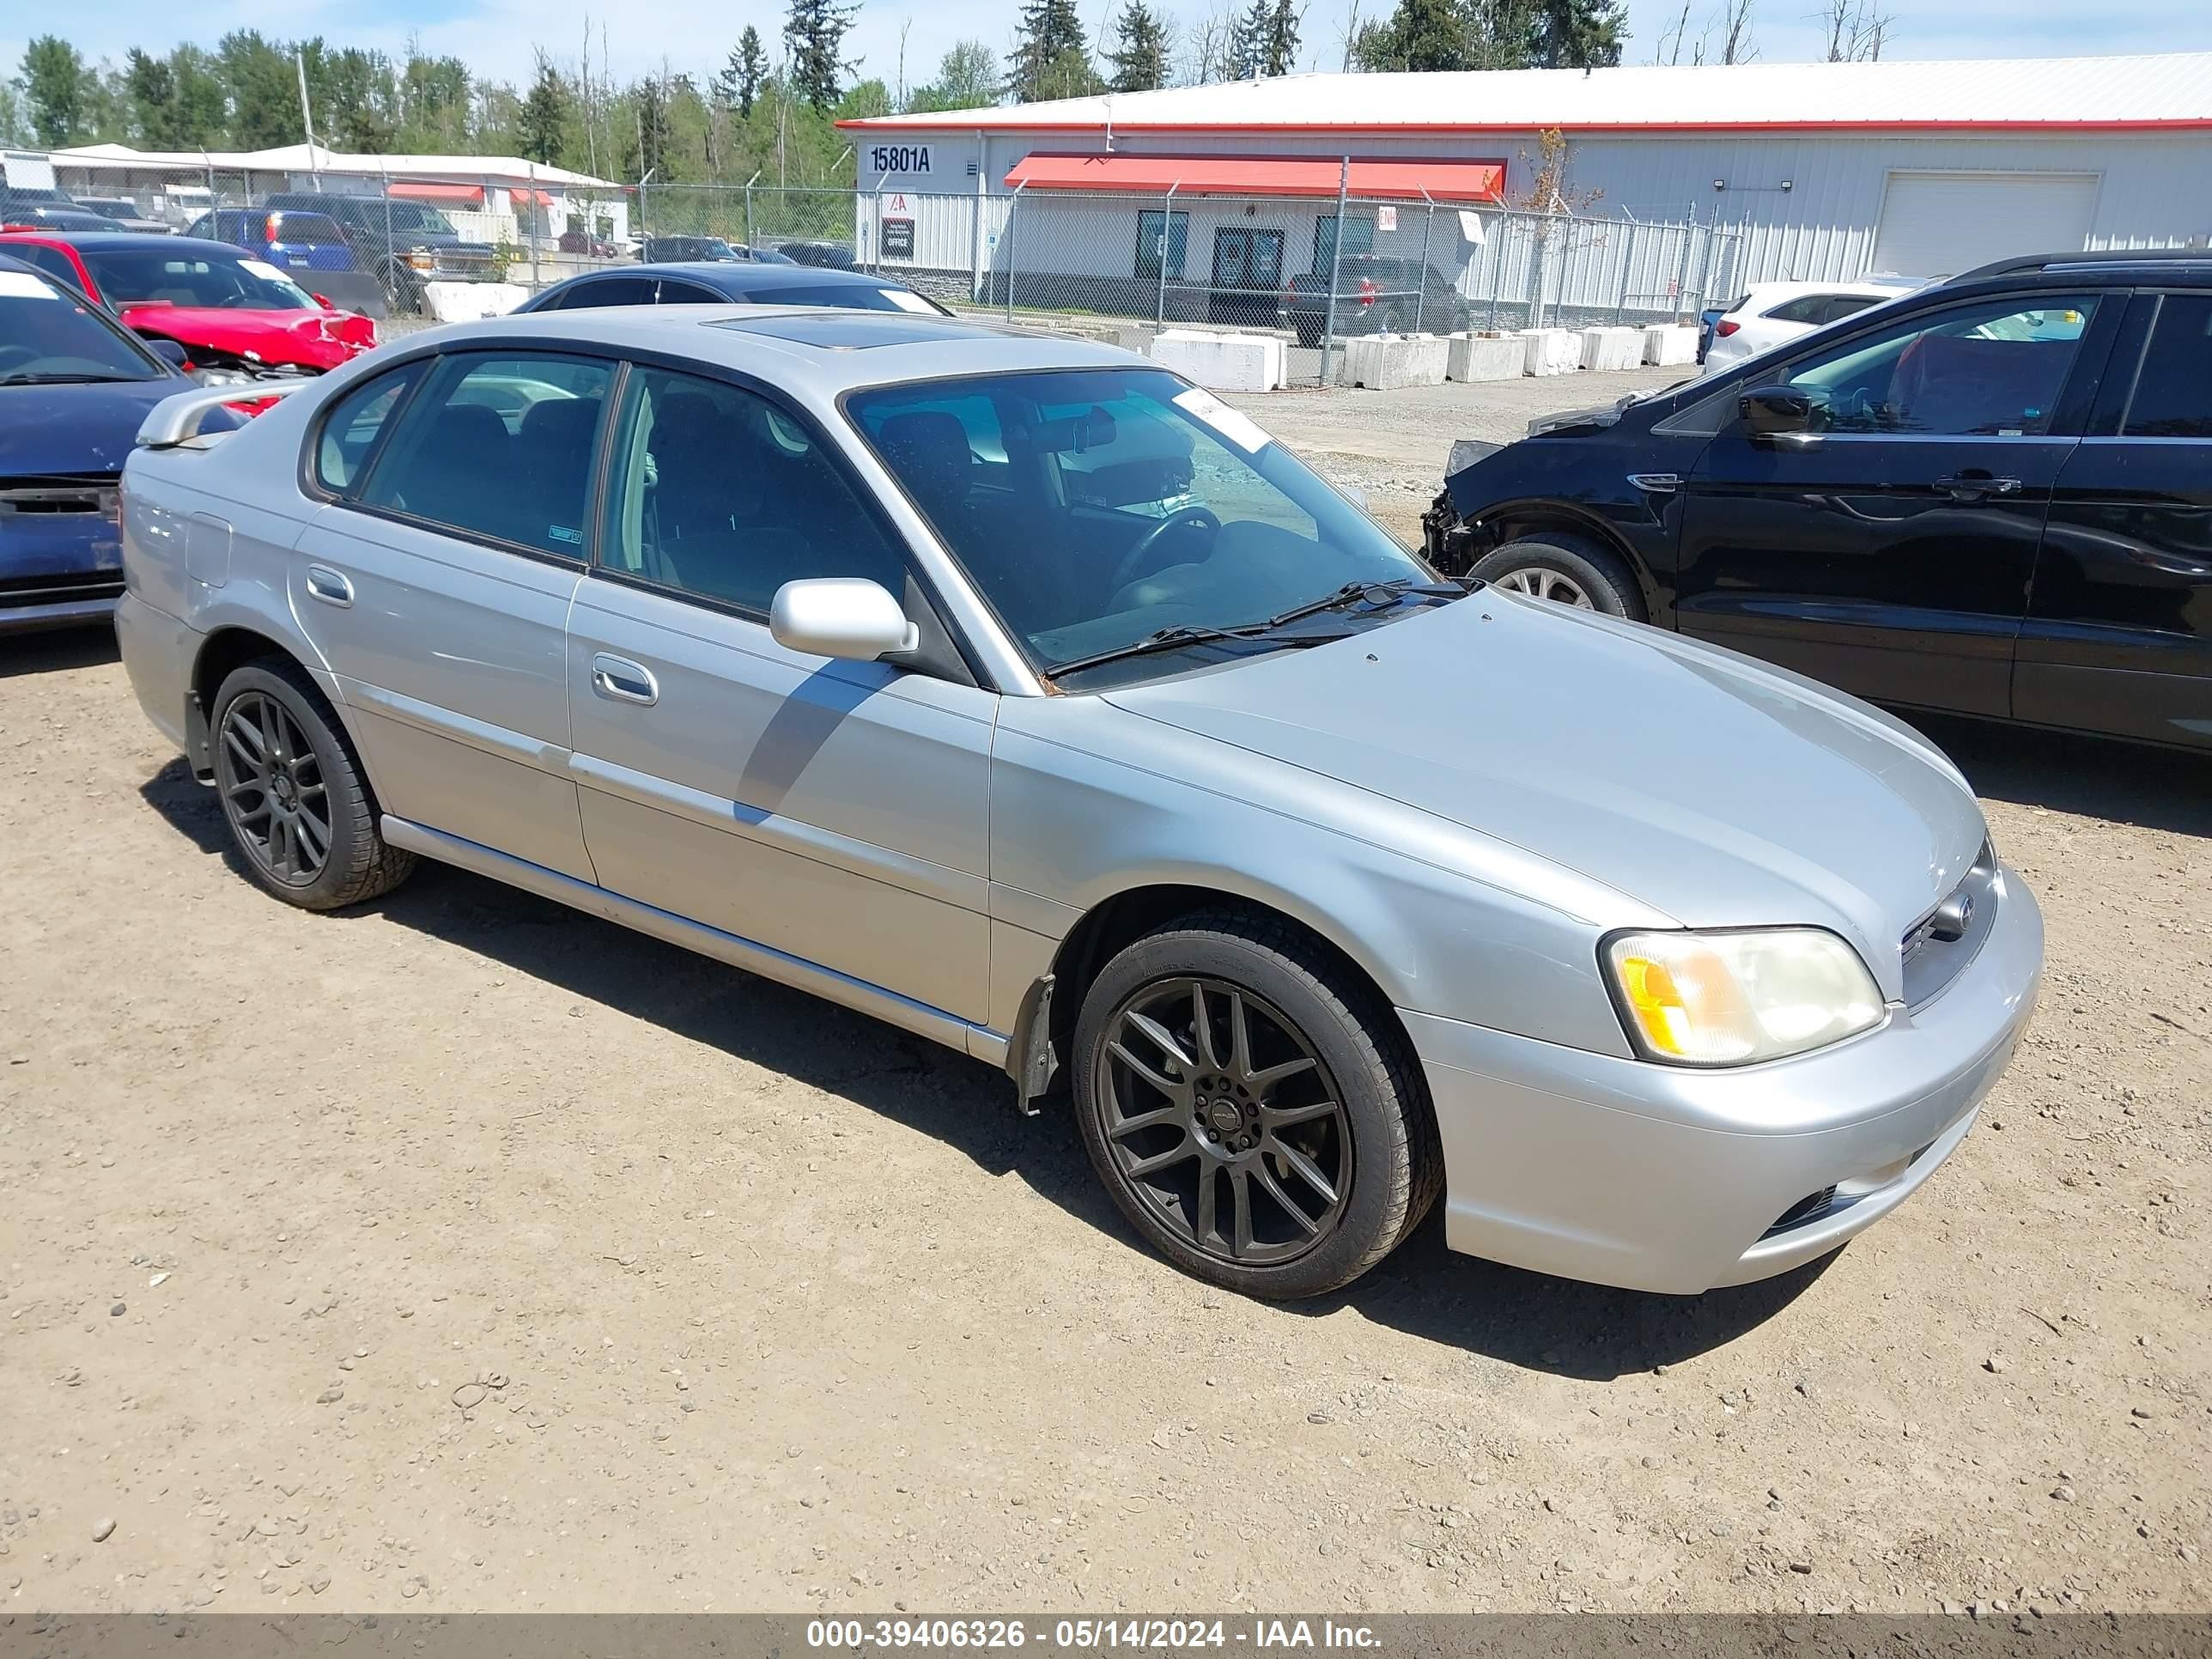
307 118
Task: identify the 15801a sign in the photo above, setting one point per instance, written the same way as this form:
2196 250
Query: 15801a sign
899 158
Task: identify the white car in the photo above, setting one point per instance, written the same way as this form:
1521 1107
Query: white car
1771 313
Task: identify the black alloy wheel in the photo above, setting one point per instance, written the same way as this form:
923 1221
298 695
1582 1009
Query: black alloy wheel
273 791
1224 1121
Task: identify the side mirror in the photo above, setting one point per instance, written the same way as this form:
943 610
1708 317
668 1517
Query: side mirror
1784 414
169 351
842 617
323 300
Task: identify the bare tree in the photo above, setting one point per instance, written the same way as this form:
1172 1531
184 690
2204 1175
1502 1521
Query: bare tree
1350 34
1856 30
1737 45
1669 49
1207 42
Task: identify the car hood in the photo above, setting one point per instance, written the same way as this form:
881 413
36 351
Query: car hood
1715 789
49 429
282 339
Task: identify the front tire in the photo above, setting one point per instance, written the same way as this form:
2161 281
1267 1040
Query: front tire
1565 571
1253 1109
293 791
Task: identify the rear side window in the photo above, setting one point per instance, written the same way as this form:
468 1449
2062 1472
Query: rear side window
608 291
306 229
2173 394
1809 309
499 447
348 439
52 260
1841 305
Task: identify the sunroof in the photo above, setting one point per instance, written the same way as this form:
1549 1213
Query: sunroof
855 331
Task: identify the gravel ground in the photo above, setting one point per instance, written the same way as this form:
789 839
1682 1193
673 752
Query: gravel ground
462 1252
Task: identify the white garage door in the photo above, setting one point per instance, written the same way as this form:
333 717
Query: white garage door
1938 224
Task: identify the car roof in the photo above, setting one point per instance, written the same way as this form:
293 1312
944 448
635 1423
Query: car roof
127 241
827 350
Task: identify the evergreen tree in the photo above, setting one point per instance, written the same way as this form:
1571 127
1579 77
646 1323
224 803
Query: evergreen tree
815 33
739 82
1247 47
1140 53
263 93
544 114
353 102
1579 34
203 112
54 87
1052 55
1279 39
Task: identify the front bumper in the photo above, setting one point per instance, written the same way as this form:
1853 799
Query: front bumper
1662 1178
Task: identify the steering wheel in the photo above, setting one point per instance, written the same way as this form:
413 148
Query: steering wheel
1138 557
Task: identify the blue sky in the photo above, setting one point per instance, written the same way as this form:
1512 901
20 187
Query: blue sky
496 36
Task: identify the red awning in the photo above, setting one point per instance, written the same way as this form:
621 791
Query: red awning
1263 175
417 192
523 196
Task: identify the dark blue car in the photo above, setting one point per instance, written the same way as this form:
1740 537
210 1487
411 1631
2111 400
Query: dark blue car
732 283
74 386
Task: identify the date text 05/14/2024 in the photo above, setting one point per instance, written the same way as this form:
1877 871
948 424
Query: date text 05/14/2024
1088 1635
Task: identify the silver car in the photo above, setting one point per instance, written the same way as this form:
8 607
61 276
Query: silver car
1016 691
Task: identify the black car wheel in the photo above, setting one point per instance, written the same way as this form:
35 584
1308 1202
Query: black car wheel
1258 1119
1563 572
293 792
403 290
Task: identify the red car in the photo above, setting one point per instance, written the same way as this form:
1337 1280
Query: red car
229 310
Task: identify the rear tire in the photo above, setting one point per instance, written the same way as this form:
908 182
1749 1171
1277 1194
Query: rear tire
294 794
1566 570
1312 1130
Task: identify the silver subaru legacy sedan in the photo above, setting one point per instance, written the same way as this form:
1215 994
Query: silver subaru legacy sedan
1016 691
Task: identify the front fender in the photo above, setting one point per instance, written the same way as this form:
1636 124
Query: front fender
1088 803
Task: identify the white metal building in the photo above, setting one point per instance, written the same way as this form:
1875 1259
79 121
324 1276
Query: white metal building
1825 170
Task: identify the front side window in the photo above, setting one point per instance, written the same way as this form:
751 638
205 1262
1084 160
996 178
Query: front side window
1093 508
215 281
2173 393
52 260
1994 369
716 493
498 445
349 431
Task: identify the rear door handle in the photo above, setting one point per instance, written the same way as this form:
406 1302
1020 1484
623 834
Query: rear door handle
1967 486
624 681
330 587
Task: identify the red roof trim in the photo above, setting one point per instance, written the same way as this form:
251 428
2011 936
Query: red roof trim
2185 123
1449 179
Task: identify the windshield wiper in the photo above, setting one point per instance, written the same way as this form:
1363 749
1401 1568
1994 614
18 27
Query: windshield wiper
28 377
1175 639
1376 594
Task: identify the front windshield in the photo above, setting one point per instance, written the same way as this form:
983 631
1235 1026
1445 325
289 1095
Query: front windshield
1093 508
132 277
853 296
407 215
49 335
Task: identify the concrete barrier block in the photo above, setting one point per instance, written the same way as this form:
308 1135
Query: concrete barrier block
1485 357
1383 363
1611 349
469 302
1134 336
1221 362
1551 350
1665 343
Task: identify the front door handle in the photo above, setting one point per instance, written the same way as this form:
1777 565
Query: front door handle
330 587
1971 486
624 681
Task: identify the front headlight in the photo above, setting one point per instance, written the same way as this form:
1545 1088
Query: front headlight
1735 999
221 377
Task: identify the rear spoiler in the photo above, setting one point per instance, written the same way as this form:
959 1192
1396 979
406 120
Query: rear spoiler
176 421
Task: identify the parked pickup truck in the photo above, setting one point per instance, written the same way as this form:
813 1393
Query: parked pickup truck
1376 294
403 244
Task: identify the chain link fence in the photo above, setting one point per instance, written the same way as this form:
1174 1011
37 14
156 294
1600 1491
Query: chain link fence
1109 263
1313 270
